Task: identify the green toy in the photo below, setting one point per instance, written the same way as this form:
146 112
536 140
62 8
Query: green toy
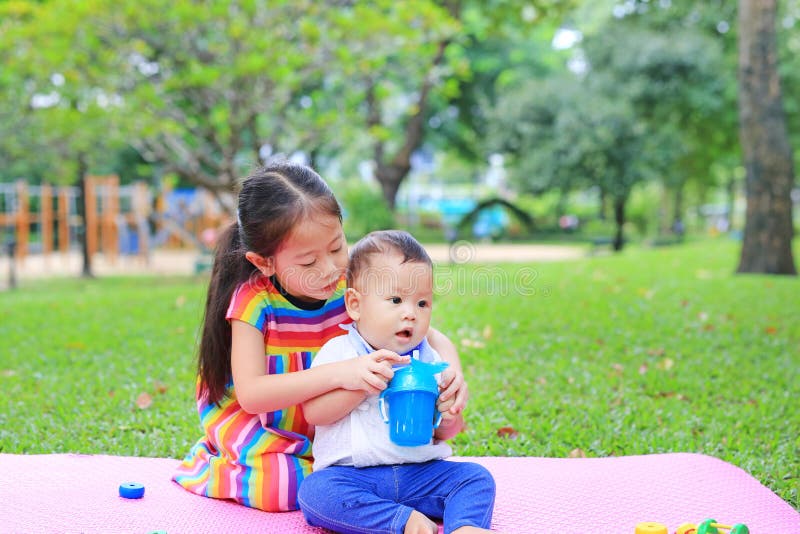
710 526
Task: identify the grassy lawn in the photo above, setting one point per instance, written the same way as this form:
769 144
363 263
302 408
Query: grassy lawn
650 351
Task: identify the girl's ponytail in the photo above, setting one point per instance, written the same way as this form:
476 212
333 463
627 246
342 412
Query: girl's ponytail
214 356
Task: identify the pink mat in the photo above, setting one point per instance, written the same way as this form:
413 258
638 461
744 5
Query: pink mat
76 493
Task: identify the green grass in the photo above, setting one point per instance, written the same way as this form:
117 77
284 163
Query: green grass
649 351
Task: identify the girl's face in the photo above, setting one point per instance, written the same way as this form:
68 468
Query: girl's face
311 261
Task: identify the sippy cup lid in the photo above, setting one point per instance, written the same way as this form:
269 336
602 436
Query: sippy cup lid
417 375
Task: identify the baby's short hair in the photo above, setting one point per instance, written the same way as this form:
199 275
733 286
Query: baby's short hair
383 242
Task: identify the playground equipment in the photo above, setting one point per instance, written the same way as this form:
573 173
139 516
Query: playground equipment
44 217
127 220
15 212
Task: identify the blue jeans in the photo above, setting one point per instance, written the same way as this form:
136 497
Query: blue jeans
362 500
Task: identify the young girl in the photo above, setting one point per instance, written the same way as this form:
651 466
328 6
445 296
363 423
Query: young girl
276 295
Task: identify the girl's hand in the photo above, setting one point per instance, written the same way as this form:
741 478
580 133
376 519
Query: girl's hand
371 372
451 423
444 408
454 392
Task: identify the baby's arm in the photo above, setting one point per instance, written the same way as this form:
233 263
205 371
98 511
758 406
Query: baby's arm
259 392
453 385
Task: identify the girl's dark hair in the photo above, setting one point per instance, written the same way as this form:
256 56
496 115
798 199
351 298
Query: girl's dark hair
272 200
383 242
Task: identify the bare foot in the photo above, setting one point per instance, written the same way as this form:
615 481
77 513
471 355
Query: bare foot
419 524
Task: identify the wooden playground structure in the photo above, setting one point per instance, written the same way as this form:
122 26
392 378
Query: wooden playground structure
119 219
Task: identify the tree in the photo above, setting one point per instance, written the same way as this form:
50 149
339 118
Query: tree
65 92
414 58
386 60
768 232
499 53
211 87
563 134
639 111
20 134
674 84
209 92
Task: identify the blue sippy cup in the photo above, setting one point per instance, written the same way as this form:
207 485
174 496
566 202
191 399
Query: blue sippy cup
411 398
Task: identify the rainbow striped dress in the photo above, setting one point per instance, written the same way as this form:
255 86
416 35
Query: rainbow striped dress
260 460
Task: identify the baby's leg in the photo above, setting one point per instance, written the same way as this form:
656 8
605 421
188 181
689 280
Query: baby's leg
420 524
461 493
356 500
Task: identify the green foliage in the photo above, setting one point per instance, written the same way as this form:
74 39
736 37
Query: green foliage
489 57
649 351
642 214
646 107
217 82
386 58
566 138
789 57
644 209
59 86
364 210
416 72
644 104
676 84
197 92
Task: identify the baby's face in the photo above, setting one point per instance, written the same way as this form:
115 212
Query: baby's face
394 300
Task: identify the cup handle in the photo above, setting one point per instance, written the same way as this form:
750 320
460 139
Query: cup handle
382 408
438 419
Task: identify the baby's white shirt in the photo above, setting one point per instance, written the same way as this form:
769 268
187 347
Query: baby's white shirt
361 438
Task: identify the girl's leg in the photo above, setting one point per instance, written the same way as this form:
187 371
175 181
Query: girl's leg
353 500
460 493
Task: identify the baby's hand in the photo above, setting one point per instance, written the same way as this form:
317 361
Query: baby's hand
453 392
371 372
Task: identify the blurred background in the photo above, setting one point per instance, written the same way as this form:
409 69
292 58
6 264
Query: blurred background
125 125
660 136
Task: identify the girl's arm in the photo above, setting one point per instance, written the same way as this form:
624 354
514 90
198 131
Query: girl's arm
258 392
333 405
453 384
450 426
451 423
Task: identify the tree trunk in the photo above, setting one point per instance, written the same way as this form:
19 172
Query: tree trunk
619 219
561 205
601 209
83 168
768 232
677 206
730 201
662 218
390 174
390 177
